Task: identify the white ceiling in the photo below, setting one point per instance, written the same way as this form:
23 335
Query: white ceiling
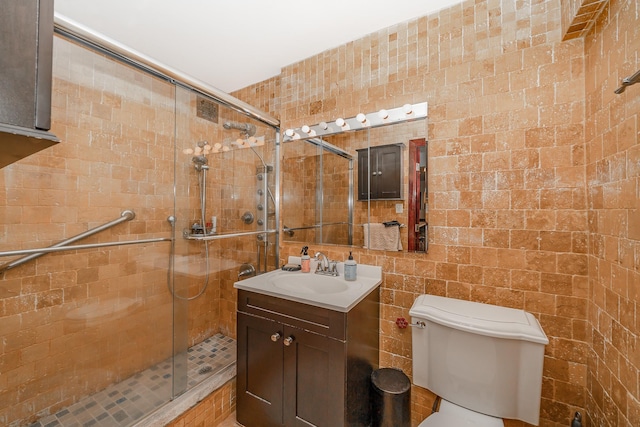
235 43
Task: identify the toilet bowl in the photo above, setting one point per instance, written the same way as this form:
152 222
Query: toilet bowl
484 361
450 415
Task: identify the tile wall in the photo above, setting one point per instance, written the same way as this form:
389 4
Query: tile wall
612 133
212 411
511 215
72 323
533 194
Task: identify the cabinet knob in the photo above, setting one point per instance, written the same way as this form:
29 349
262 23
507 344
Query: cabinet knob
275 337
288 340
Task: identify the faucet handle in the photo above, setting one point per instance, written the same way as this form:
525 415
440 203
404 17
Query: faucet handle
333 267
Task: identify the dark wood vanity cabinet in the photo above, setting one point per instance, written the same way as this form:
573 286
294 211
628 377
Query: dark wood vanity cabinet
301 365
380 177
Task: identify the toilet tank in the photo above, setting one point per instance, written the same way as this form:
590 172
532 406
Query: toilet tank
482 357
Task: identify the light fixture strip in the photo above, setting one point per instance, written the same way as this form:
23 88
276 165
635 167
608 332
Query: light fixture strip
406 113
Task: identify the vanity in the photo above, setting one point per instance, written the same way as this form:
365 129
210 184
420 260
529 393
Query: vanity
307 345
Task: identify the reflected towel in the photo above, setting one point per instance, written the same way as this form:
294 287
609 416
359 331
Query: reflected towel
379 237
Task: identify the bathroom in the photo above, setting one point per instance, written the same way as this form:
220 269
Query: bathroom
533 198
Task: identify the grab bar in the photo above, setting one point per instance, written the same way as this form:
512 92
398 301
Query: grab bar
126 215
227 235
78 247
309 227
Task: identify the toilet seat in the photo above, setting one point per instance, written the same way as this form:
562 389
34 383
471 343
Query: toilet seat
453 415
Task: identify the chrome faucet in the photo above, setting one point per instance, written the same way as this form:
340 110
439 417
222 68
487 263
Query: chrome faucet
325 265
323 262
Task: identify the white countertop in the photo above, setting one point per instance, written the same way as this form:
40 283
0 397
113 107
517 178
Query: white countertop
347 296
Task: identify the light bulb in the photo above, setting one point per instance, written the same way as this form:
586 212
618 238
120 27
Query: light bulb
340 122
407 109
252 140
239 142
361 118
305 129
383 114
323 125
225 148
197 151
217 146
207 148
188 151
289 132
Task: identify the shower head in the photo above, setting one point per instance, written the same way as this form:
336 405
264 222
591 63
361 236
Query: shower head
246 128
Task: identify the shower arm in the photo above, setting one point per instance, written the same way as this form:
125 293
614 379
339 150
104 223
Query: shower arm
246 128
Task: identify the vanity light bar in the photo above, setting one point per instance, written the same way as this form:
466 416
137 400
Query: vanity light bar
406 113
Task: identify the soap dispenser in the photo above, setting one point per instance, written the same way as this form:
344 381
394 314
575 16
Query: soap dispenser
350 269
305 260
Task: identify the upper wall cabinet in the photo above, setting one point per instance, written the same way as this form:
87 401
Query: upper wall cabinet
26 49
380 172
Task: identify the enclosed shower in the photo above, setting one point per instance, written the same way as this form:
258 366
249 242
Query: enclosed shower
140 314
266 205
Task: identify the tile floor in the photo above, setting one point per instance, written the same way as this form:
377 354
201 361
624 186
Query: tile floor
124 403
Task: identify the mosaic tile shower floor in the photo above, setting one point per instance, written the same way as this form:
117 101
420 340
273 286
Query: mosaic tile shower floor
124 403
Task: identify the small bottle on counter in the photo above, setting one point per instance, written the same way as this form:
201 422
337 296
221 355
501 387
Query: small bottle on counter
305 260
350 269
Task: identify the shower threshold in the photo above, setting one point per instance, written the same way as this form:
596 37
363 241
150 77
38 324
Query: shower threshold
141 400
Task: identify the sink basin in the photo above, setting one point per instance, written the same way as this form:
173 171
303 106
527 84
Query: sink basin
330 292
310 283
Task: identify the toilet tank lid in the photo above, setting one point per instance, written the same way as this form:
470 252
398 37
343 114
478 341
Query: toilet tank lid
479 318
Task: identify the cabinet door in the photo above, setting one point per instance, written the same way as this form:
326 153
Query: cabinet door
259 372
380 177
314 380
388 173
363 175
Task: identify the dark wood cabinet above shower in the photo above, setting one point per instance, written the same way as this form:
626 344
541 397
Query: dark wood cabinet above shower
380 177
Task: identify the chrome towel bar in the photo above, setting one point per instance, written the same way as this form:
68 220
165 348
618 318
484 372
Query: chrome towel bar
628 81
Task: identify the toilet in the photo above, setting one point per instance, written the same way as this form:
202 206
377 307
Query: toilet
483 361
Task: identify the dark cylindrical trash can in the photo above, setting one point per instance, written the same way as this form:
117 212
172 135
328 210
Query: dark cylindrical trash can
390 398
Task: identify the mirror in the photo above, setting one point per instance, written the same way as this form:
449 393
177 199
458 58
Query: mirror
364 188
